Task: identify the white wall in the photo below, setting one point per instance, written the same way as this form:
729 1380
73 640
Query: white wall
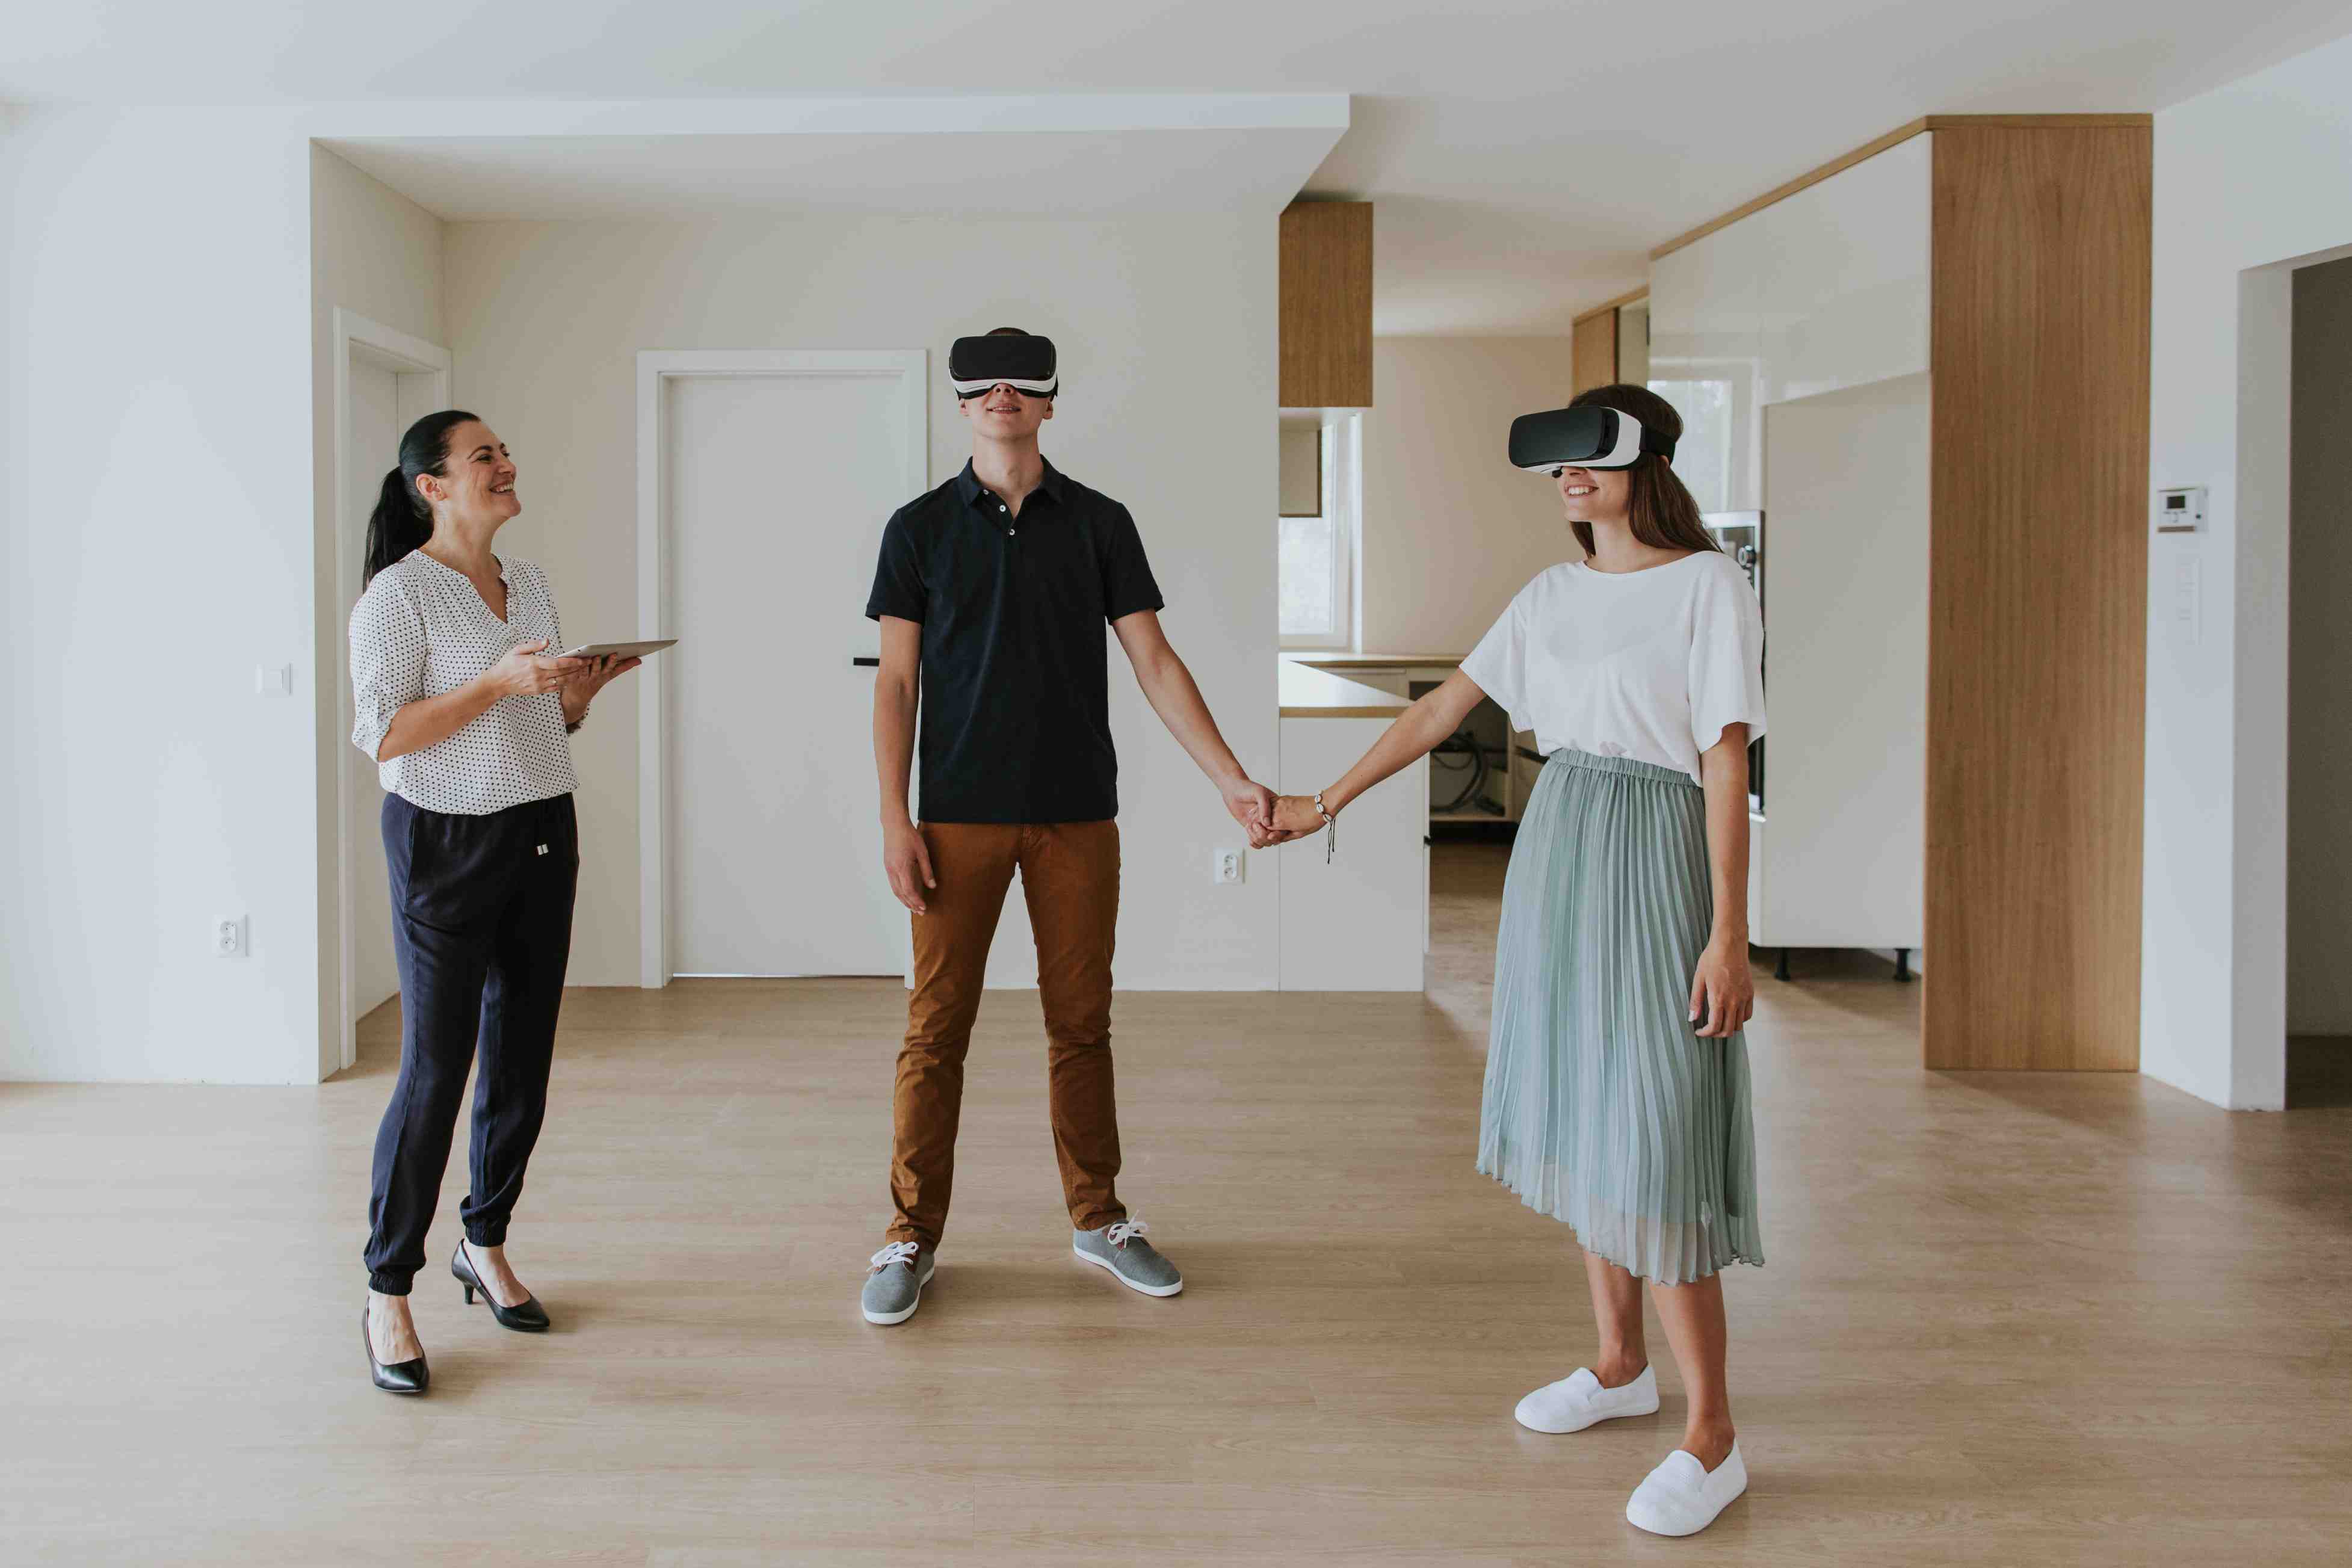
376 252
2247 177
156 461
1451 530
2319 675
1166 328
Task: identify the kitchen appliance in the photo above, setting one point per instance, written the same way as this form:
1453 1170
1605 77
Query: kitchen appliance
1741 534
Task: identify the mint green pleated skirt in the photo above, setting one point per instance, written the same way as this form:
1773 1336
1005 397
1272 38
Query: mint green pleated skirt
1603 1106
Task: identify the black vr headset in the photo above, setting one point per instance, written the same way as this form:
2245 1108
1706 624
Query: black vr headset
1587 437
1021 361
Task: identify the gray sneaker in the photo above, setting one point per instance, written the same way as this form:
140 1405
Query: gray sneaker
894 1282
1132 1260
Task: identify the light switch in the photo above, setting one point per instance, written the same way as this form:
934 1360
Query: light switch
274 679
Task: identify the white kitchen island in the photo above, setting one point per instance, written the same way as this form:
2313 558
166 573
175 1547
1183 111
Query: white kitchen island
1361 922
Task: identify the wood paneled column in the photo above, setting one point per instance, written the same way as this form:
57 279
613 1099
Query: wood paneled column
2038 614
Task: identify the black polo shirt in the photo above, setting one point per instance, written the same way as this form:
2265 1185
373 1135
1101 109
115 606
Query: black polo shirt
1016 678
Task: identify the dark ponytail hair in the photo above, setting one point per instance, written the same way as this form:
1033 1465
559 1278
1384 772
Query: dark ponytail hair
402 520
1660 508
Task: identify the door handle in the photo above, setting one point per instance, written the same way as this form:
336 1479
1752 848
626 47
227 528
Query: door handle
862 662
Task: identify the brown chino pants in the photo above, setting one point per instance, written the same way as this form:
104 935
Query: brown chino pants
1069 875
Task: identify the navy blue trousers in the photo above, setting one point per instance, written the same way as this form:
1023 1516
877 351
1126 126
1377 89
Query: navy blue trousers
481 925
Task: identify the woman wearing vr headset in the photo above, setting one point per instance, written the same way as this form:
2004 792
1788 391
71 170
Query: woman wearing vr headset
1617 1085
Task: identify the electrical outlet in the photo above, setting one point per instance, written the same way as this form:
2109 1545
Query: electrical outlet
1227 866
229 937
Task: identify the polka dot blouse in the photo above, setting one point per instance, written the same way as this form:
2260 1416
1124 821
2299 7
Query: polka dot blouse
422 630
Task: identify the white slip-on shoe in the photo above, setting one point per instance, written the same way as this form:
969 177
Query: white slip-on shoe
1578 1400
1681 1496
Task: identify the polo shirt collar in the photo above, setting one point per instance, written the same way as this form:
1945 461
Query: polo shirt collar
970 489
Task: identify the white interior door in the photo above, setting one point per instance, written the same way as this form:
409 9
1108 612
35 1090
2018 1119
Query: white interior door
373 445
775 491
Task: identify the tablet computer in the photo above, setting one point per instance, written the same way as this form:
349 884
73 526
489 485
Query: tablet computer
614 650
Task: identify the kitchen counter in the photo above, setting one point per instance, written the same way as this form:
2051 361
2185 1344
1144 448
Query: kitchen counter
1358 921
1310 693
1336 660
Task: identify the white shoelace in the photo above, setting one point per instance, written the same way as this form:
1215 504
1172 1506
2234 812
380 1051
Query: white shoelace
897 1252
1117 1234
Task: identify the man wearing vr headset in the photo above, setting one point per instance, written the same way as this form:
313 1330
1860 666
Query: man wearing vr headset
992 591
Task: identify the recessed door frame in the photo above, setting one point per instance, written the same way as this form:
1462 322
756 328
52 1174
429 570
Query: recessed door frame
2260 552
428 363
656 369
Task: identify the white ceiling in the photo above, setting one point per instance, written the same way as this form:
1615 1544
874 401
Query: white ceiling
1524 154
1005 157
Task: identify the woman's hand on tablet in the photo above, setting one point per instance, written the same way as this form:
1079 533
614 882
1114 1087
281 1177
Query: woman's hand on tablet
600 674
525 672
583 688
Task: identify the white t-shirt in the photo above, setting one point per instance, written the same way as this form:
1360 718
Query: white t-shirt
1650 665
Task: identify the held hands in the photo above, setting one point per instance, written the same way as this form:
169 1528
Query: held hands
1295 816
1252 806
1723 993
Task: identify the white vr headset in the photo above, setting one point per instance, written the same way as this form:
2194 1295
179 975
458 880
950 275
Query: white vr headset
1585 437
1021 361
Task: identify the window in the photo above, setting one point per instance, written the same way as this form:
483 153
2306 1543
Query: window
1702 457
1314 555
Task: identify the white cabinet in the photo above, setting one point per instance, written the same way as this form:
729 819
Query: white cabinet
1703 327
1841 296
1822 291
1359 921
1816 309
1846 563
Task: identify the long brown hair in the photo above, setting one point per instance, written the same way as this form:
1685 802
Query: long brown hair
1660 509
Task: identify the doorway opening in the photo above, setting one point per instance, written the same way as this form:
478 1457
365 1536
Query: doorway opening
2319 670
384 382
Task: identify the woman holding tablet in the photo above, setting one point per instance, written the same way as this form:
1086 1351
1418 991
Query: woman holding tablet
468 722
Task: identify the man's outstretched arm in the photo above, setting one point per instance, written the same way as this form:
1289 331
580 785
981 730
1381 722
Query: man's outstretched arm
1168 687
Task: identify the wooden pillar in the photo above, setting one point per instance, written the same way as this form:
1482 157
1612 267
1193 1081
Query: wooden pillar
2038 614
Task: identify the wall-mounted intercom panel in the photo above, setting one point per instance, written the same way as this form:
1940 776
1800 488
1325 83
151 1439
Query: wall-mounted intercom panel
2180 510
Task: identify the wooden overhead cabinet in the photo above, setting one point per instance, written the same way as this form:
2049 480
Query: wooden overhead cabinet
1327 305
1598 341
1968 297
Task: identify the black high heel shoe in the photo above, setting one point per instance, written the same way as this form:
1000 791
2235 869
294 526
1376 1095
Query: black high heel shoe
401 1376
530 1318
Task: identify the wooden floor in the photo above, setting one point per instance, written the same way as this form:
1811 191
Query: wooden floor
2007 1319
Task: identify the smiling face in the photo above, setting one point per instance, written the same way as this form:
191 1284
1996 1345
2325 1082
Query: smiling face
475 485
1001 413
1595 495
